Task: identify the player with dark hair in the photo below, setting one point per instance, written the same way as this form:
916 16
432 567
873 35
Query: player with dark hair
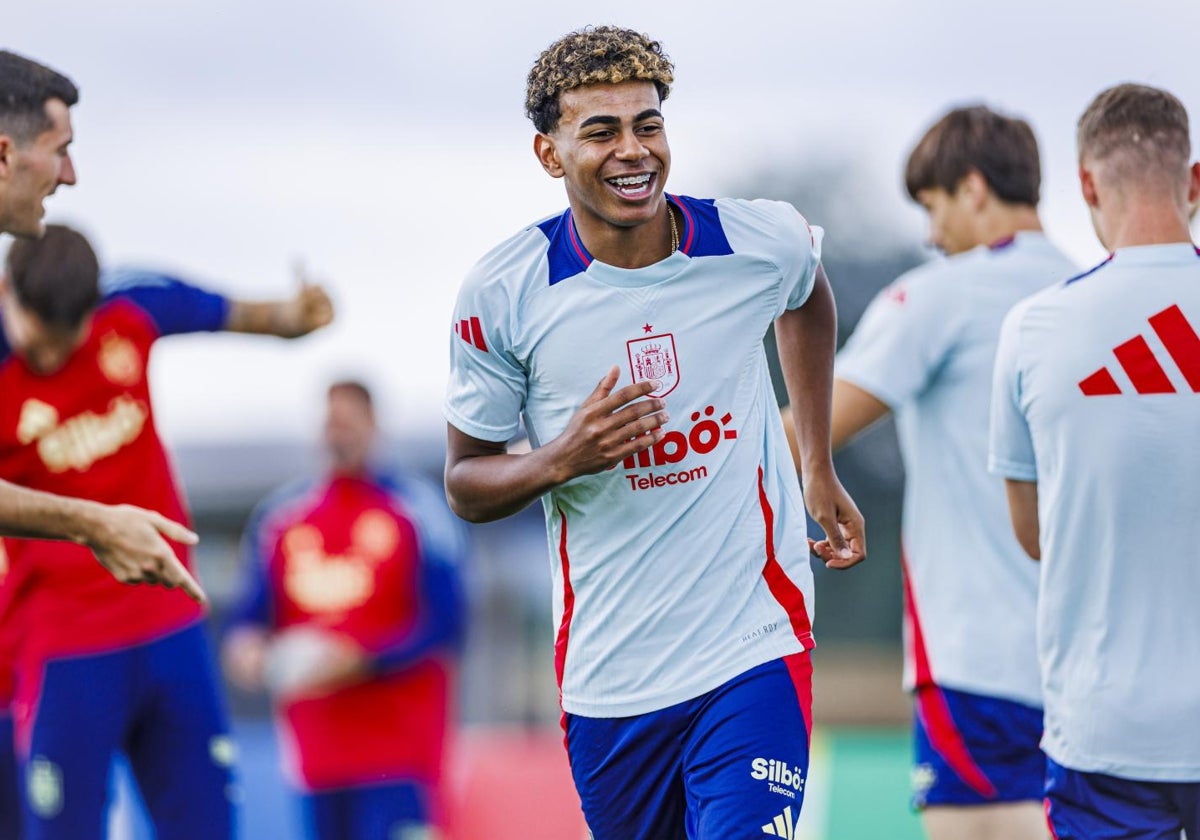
100 666
681 570
352 615
924 350
1095 412
35 133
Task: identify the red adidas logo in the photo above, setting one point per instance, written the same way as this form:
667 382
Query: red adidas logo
470 330
1138 361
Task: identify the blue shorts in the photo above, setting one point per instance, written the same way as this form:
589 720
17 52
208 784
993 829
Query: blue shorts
159 704
971 749
395 811
730 763
10 795
1092 806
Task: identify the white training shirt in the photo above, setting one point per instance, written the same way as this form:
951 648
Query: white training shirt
1097 399
925 347
682 568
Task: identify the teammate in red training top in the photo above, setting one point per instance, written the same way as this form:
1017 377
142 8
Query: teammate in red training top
100 666
352 615
35 133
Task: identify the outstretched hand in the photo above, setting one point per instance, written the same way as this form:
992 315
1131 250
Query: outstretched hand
131 543
829 504
609 426
310 309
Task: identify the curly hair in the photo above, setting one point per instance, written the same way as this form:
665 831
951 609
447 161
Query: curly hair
589 56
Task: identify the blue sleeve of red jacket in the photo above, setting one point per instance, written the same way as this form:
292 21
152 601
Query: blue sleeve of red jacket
254 604
441 622
173 305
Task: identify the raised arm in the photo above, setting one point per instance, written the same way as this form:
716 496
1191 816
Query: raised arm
308 310
807 337
484 482
128 541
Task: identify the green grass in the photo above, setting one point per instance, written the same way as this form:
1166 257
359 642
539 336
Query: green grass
868 794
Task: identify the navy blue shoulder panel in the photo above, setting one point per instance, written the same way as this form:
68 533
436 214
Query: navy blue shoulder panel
565 254
703 235
1090 271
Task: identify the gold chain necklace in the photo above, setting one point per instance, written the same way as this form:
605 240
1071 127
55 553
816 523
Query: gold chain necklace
674 230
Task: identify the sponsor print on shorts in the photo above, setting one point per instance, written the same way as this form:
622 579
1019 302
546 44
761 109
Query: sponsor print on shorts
924 777
44 787
781 778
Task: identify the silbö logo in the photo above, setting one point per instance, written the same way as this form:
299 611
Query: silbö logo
782 778
705 435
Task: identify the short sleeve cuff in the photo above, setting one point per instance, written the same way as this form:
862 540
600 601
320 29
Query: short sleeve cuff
1015 470
866 382
495 434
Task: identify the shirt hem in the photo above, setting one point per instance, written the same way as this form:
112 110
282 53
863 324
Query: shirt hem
682 695
983 690
1187 773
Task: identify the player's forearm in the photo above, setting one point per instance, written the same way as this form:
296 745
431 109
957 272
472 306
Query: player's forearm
853 411
34 514
807 338
484 488
262 318
1023 511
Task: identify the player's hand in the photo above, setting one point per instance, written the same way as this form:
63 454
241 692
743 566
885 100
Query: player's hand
244 655
307 661
828 503
310 308
131 543
609 426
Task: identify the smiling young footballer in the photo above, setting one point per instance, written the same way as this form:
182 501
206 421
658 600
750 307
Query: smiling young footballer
680 564
1096 429
924 349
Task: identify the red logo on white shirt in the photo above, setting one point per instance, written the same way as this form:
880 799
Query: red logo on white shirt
1142 366
470 330
654 357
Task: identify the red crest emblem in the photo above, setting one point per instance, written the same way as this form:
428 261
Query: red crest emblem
654 357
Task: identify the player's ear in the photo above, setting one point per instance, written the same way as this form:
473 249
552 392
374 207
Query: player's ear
547 155
1087 185
974 188
1194 189
7 148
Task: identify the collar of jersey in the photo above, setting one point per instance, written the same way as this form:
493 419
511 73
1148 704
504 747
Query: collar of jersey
1020 239
648 275
1170 253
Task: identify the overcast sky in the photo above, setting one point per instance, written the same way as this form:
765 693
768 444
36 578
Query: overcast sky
384 142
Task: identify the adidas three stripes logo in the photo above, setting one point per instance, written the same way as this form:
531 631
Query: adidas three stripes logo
470 330
1141 365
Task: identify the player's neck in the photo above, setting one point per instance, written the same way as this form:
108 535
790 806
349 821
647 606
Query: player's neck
1003 222
1148 223
628 247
